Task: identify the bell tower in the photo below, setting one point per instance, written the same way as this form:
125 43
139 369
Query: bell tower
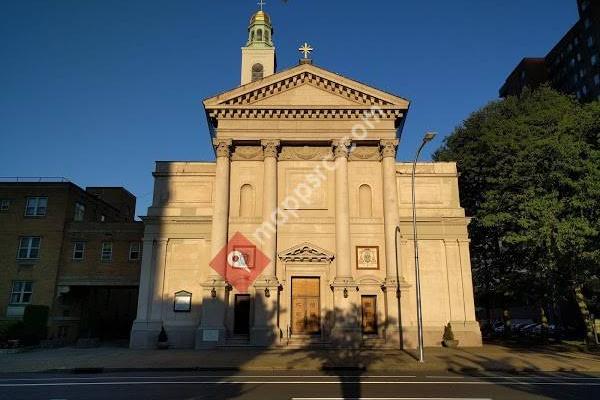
258 55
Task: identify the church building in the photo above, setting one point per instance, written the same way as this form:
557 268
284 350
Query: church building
300 232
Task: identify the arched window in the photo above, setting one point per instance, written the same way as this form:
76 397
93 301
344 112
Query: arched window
246 201
259 35
266 36
257 72
365 201
251 36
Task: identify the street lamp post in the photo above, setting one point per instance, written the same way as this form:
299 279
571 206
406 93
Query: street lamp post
426 139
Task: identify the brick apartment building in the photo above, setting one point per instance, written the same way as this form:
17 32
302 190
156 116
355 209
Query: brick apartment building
77 251
573 64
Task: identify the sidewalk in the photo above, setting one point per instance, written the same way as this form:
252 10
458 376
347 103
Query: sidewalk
487 358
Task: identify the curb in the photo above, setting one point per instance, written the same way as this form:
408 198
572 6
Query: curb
360 369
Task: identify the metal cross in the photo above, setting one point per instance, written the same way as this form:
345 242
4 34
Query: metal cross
261 3
306 49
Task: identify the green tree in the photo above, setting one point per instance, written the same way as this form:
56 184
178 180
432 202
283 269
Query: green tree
530 178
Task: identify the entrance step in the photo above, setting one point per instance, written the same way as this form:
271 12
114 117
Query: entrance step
236 341
302 341
373 342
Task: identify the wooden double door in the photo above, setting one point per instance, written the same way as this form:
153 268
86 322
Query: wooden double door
306 306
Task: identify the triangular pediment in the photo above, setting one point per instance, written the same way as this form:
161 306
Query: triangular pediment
306 252
305 86
306 94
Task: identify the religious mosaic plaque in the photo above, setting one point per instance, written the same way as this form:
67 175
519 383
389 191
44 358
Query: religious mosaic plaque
367 257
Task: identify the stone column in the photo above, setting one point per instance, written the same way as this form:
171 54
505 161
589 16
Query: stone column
265 330
346 330
158 279
269 243
212 329
148 322
343 270
393 275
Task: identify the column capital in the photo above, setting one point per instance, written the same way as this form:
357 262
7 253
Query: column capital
270 147
341 148
222 147
388 147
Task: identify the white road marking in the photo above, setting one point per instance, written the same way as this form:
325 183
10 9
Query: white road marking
389 398
333 376
573 378
333 382
207 376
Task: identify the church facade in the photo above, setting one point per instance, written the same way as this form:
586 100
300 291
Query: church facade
301 231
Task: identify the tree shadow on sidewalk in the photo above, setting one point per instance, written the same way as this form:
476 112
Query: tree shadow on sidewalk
342 355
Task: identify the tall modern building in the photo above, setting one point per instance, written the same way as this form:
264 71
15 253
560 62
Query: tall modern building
572 66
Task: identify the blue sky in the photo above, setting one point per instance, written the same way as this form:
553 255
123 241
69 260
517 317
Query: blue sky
97 90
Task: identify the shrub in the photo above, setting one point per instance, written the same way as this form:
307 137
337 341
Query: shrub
448 334
162 336
10 330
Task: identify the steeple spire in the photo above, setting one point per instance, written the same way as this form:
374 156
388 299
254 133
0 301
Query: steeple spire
260 30
258 55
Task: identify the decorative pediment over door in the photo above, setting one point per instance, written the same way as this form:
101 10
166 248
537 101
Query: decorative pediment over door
306 252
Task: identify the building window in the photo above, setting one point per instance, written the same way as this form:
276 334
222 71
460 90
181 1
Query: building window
21 292
584 89
587 23
597 79
257 72
107 250
36 206
590 41
78 250
259 36
4 205
29 248
594 59
134 251
103 218
79 212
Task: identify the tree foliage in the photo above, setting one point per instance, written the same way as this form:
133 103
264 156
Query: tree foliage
530 178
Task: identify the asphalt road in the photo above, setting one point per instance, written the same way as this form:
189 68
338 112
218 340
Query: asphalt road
286 385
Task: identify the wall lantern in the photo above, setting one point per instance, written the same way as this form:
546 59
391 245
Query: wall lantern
267 292
213 293
345 293
182 301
